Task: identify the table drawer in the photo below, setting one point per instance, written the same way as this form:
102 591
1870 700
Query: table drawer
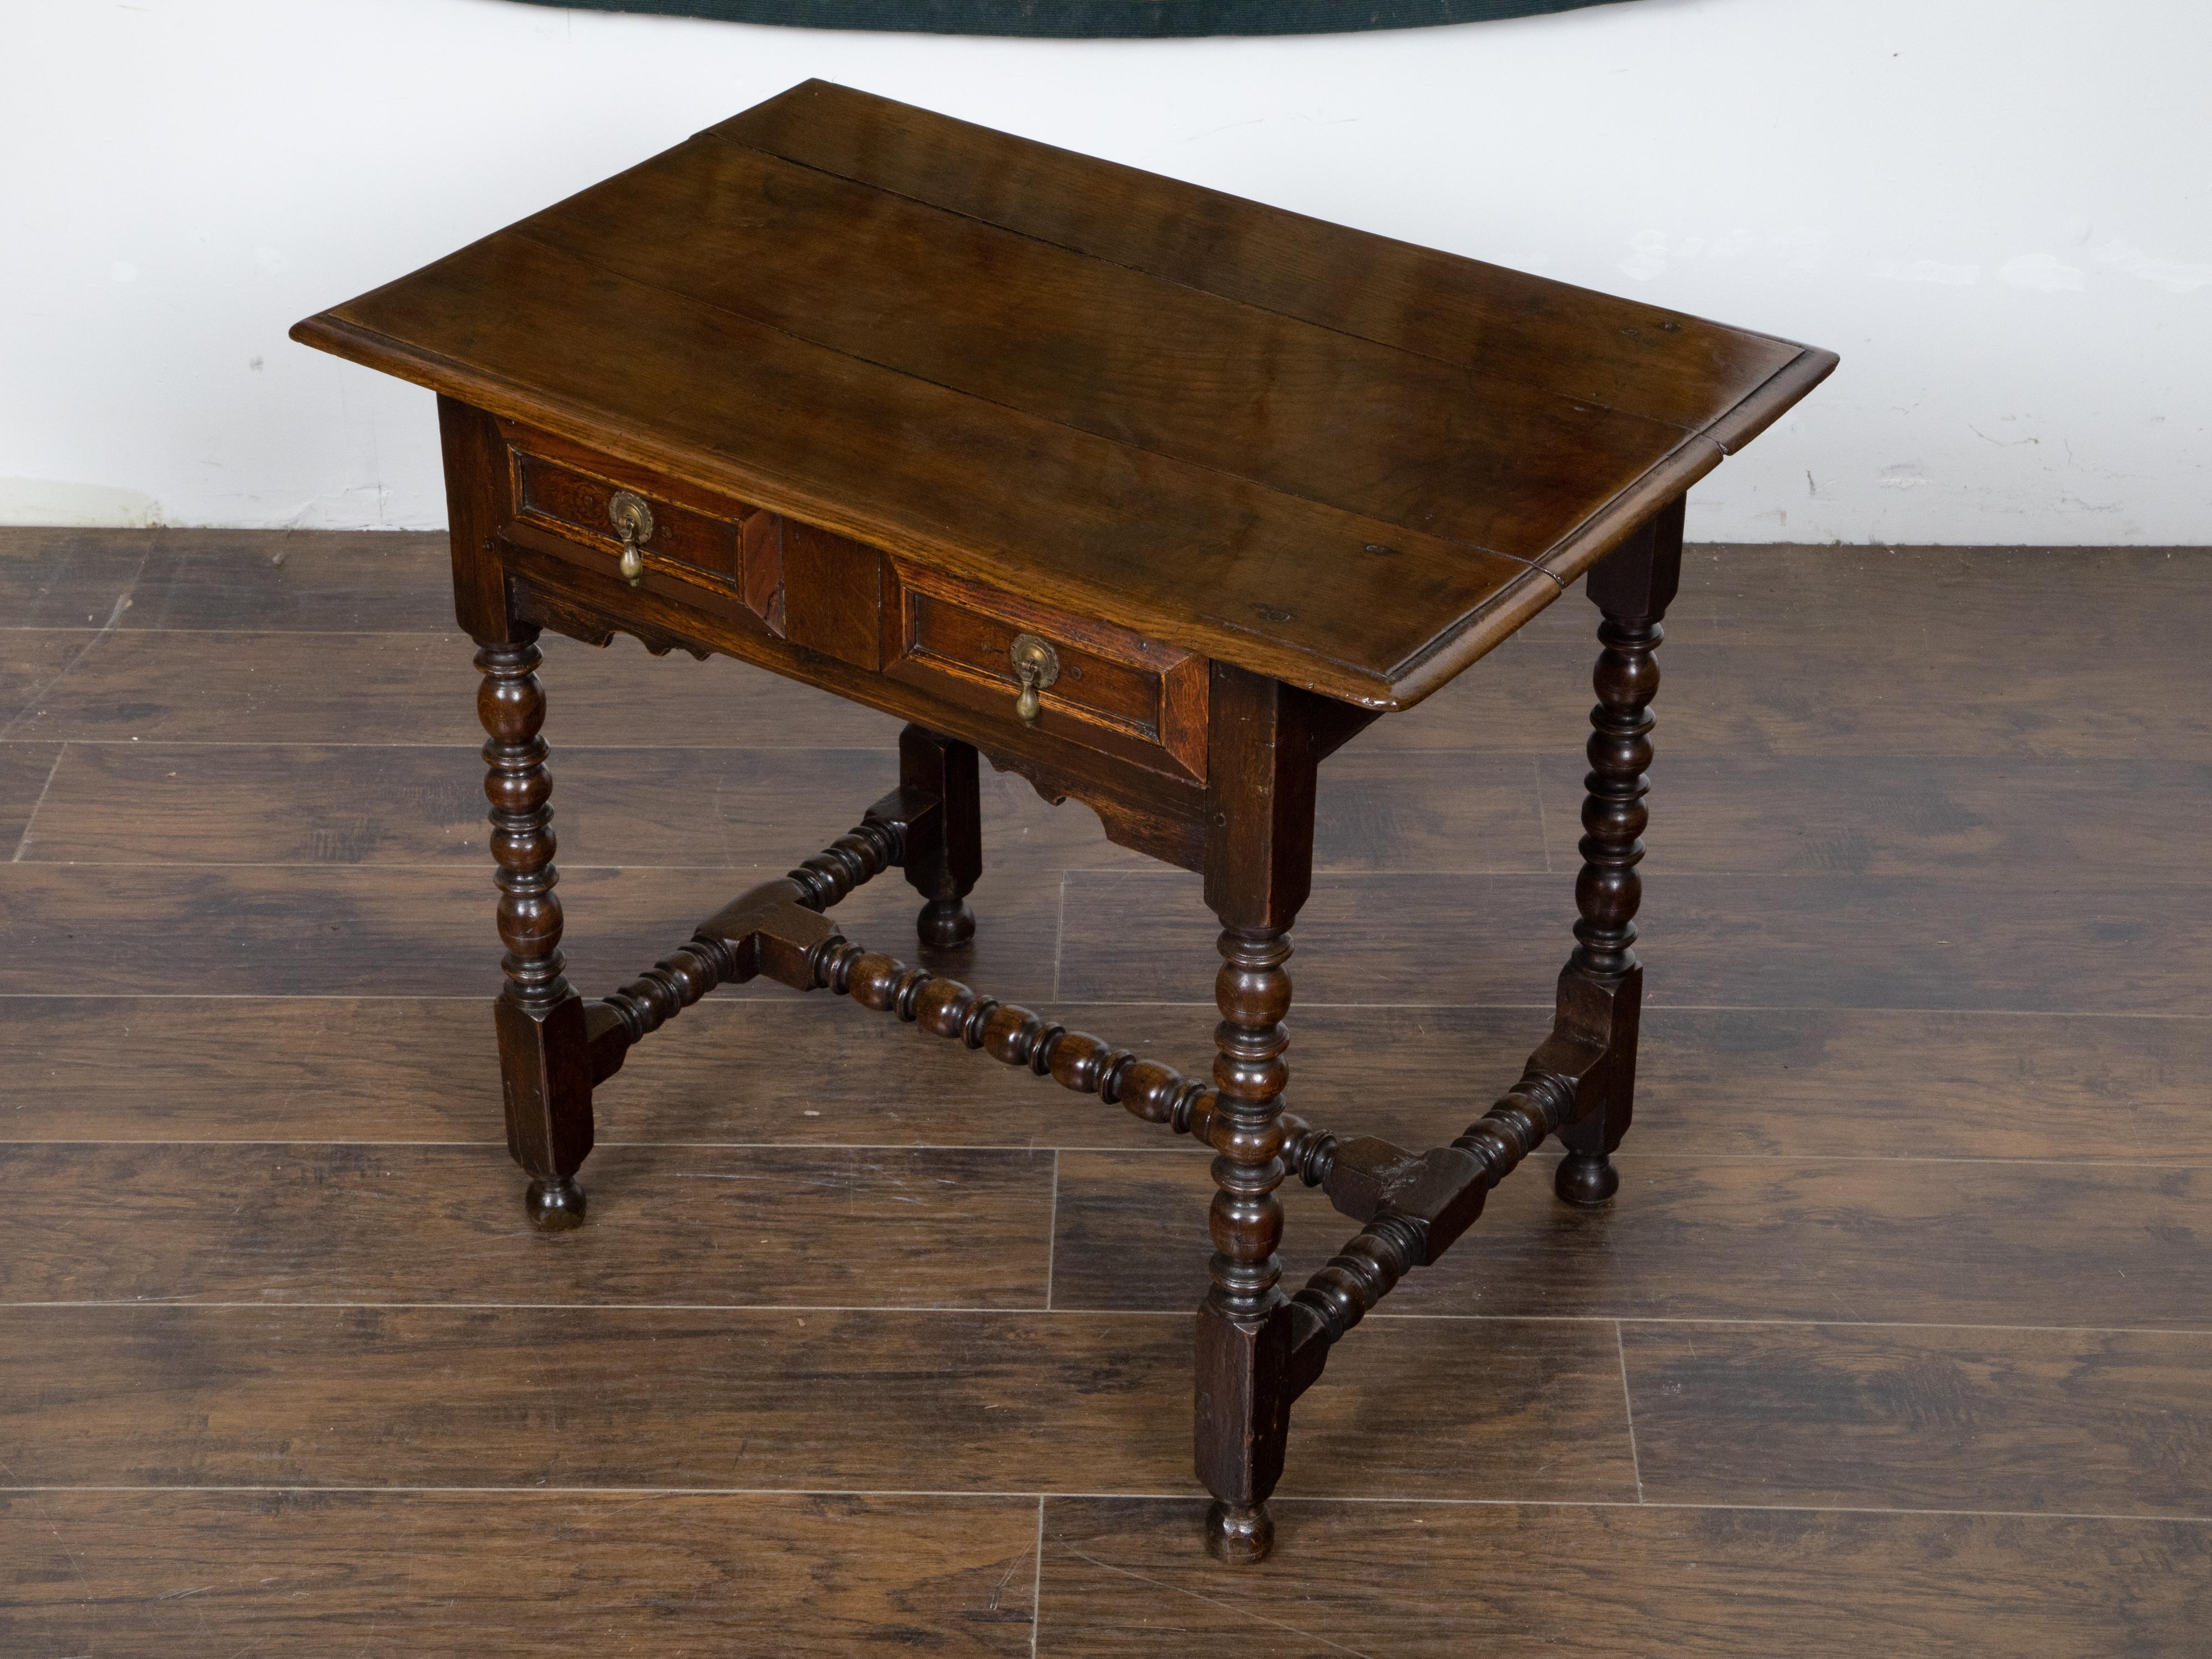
712 541
1116 691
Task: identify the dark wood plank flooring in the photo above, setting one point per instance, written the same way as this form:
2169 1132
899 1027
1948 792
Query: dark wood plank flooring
1898 1338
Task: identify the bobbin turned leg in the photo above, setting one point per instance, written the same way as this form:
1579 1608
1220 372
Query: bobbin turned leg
1632 586
944 853
543 1060
1259 864
1244 1328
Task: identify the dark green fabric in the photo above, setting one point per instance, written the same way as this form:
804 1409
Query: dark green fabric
1092 19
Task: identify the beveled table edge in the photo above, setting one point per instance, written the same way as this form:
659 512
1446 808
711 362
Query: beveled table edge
1482 629
1465 640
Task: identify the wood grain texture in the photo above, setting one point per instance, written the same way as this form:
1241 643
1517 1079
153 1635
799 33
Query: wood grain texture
26 769
169 803
1112 689
1425 1582
1776 1083
33 663
757 810
1468 808
2095 596
2093 944
1881 817
1877 697
809 1399
1810 698
188 803
1373 812
224 686
228 578
891 461
67 578
318 581
514 1574
2078 1244
1841 1084
1888 1259
249 930
327 581
1359 516
1866 689
2066 1422
751 1226
1413 300
1022 322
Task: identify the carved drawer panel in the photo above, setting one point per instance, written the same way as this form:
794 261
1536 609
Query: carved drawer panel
683 532
1114 691
1111 690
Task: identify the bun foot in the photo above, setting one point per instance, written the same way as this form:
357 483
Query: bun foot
1587 1178
1238 1535
945 923
556 1204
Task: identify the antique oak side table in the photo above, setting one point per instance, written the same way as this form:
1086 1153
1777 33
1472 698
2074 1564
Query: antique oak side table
1152 496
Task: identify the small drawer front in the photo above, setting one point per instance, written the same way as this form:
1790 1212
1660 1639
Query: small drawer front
578 502
1116 692
728 545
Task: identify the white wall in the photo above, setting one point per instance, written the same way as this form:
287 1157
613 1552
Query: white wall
1999 211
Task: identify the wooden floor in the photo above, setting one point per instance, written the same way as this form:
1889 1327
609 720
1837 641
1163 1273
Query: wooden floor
1897 1340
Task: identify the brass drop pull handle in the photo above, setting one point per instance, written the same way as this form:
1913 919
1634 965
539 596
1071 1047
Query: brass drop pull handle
632 522
1036 665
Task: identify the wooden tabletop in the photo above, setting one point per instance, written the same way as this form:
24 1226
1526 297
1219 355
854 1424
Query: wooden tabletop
1316 454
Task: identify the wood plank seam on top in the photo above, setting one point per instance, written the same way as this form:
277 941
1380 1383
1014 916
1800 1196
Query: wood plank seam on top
715 135
1165 455
1477 451
564 417
1203 196
1726 429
